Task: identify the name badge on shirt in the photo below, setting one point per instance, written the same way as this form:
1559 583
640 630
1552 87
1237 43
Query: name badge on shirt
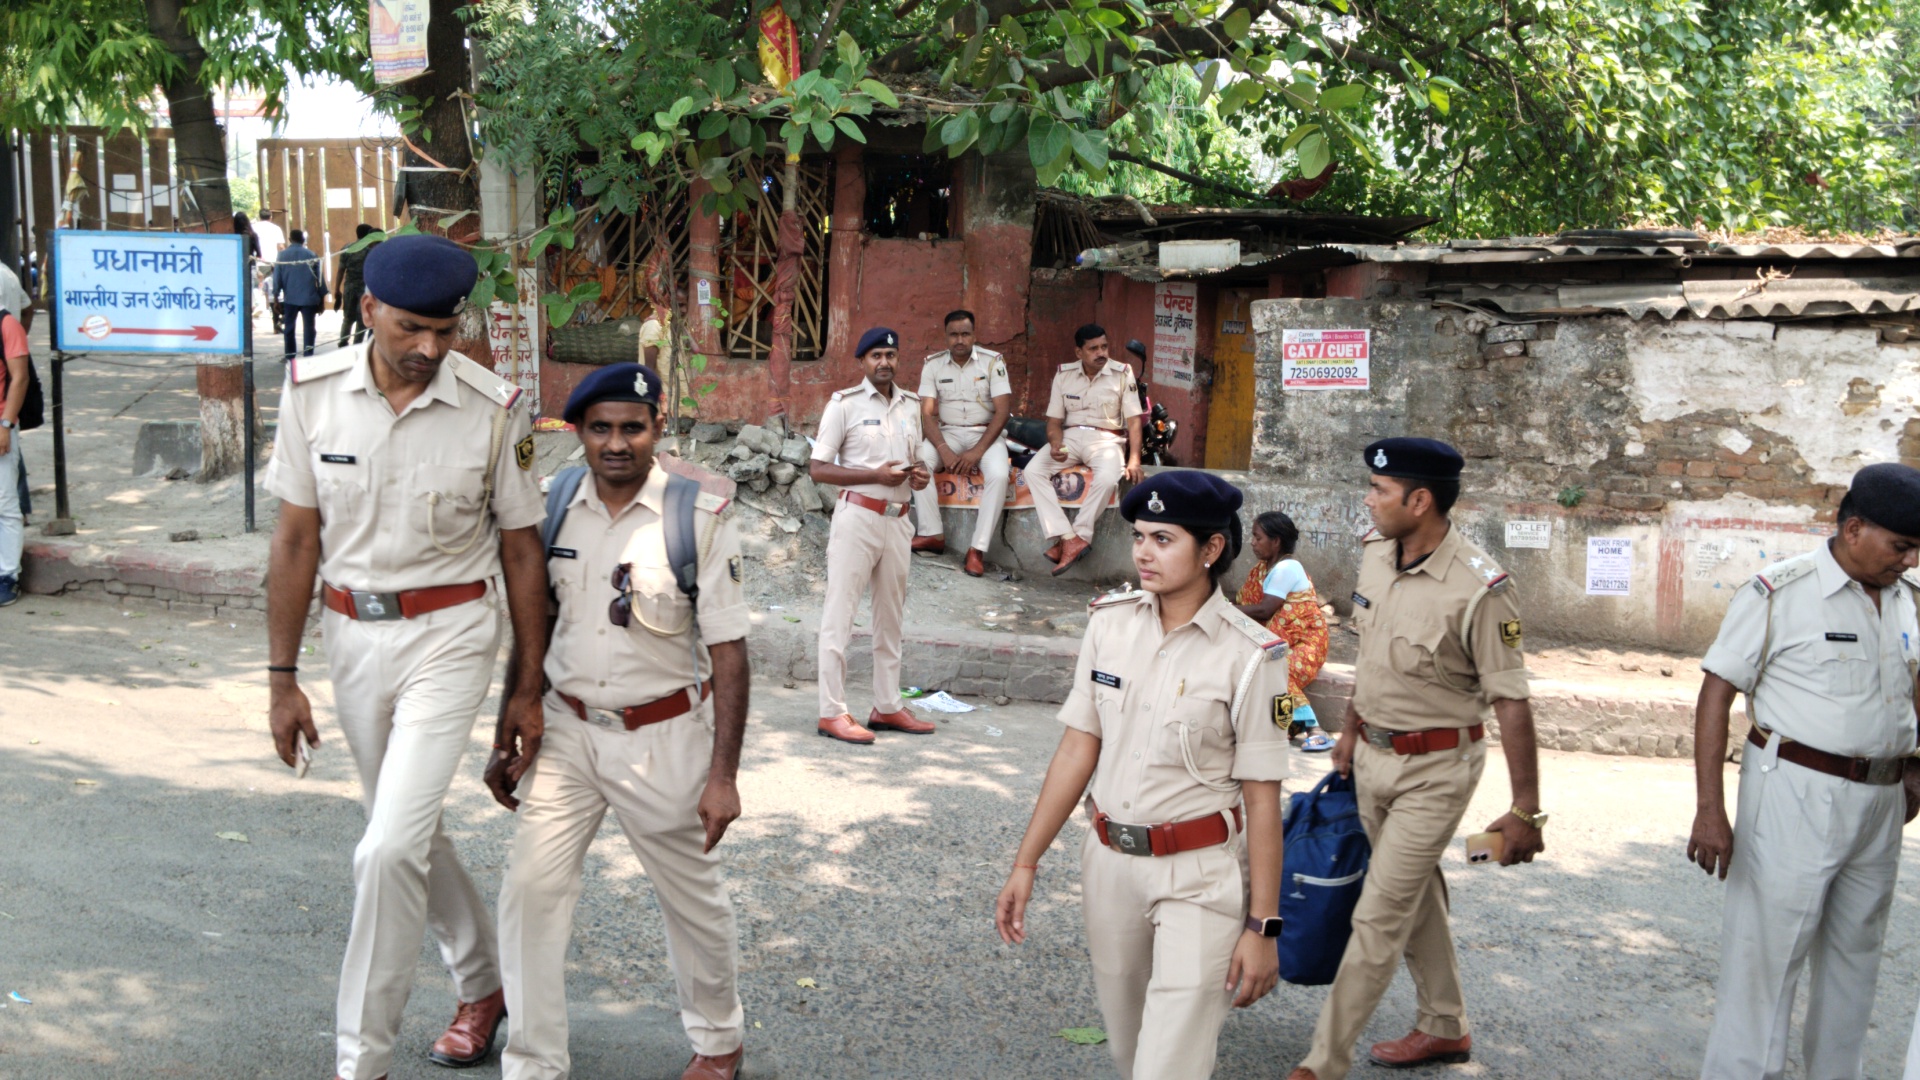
1071 397
1105 679
338 459
875 423
562 553
1842 637
1361 600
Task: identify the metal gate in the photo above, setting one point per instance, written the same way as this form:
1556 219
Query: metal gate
119 179
325 187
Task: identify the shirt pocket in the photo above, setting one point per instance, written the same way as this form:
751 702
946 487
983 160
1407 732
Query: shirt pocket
447 501
1414 646
341 488
659 607
1196 727
1844 666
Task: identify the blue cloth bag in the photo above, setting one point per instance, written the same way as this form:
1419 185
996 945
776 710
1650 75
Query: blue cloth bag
1321 876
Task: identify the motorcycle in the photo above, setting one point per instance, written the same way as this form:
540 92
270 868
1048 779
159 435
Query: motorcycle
1027 435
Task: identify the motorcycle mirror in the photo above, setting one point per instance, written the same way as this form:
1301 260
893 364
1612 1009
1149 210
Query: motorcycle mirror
1137 348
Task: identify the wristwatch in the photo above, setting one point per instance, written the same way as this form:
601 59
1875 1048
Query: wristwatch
8 424
1536 820
1264 927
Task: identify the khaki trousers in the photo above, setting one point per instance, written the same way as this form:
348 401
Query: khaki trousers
996 472
864 549
1162 932
1815 858
1103 452
406 693
652 778
1410 808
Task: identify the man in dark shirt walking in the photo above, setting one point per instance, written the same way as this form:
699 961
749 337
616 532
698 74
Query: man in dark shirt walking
348 288
300 287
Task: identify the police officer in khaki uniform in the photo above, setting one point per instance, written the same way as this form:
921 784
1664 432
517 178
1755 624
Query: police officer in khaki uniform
646 707
965 399
1825 647
404 473
1439 656
1093 419
868 436
1170 717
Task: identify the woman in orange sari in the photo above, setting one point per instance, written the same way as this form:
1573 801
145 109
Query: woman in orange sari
1278 594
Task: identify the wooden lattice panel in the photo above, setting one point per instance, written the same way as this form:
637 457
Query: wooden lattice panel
614 249
749 249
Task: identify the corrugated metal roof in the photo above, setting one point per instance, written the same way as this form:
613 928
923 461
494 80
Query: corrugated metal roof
1719 298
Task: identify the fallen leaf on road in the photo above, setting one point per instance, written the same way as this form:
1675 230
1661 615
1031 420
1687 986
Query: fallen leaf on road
806 983
33 742
756 1023
1083 1036
84 782
790 618
236 837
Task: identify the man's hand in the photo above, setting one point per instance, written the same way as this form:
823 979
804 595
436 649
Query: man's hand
918 476
1521 840
289 716
949 461
1711 844
967 462
1060 453
1255 969
1010 908
1342 757
522 724
1134 474
499 782
719 808
6 440
893 473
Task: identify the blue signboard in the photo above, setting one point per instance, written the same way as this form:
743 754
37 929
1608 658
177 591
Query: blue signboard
150 292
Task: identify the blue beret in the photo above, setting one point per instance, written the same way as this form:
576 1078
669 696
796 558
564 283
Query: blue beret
1182 497
1888 495
429 276
877 338
615 382
1415 459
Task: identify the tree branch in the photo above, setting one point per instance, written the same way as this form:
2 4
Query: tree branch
819 46
1181 174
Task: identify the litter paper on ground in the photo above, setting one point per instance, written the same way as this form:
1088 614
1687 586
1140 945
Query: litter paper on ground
941 702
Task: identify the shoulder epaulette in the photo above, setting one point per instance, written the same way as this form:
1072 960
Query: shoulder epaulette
302 369
1274 646
934 358
493 387
1371 536
716 491
1492 578
1112 599
911 396
1912 578
1069 364
987 353
1769 581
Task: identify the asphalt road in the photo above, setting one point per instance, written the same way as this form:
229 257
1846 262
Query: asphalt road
151 947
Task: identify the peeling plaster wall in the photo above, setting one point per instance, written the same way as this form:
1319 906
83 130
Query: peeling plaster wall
1716 447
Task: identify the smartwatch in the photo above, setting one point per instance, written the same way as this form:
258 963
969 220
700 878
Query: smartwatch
1268 928
8 424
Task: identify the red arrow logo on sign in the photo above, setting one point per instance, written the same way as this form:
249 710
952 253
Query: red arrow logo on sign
198 333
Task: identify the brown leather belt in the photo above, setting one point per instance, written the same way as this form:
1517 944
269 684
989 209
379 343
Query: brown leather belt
1096 427
1408 743
409 604
678 703
1857 769
878 506
1166 839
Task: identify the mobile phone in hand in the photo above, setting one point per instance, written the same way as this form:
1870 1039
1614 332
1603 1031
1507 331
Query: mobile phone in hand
1486 847
302 756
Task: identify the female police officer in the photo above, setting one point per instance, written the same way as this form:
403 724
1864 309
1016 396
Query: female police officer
1172 702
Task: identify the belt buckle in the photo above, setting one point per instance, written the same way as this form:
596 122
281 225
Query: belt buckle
1885 770
376 606
610 719
1130 839
1382 740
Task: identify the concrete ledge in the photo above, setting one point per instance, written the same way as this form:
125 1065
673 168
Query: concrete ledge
194 586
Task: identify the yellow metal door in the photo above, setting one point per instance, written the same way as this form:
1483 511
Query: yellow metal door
1230 411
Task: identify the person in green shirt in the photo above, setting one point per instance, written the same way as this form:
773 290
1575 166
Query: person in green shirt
349 287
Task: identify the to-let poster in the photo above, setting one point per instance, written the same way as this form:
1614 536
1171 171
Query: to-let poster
1609 565
1325 359
1176 311
397 39
1529 534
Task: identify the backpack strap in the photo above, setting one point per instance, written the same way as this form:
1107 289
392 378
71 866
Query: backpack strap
560 492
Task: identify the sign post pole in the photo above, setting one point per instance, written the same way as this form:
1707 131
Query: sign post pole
62 523
246 395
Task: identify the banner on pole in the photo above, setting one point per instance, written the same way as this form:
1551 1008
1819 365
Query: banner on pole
149 292
397 39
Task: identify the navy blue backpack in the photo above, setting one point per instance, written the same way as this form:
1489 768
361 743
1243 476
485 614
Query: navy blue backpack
1320 880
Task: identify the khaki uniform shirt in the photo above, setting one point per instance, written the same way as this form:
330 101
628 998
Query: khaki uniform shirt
965 392
387 485
1104 401
865 431
612 667
1416 669
1141 692
1838 672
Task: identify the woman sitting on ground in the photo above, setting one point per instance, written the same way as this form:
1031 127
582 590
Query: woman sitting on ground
1278 594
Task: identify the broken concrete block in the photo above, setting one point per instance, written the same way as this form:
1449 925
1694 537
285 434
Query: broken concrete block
759 440
753 468
1504 350
759 484
740 452
1513 332
795 451
805 494
709 433
782 473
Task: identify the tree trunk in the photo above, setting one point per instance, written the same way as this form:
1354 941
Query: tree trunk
200 153
786 274
439 194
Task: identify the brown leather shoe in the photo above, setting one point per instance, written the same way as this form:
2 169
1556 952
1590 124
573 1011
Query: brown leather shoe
724 1067
1420 1048
842 727
469 1039
1302 1073
1070 553
932 545
976 564
1053 551
900 721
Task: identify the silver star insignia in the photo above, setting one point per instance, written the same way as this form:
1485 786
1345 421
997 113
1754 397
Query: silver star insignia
1476 562
1489 573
